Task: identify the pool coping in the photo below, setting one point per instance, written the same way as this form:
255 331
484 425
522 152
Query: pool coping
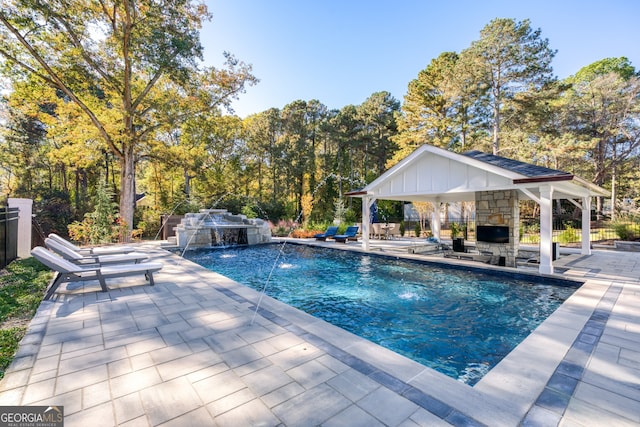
503 396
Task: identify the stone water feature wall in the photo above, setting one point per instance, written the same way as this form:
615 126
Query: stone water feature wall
500 208
216 227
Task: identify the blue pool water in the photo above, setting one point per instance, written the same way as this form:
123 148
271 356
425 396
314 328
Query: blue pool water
461 323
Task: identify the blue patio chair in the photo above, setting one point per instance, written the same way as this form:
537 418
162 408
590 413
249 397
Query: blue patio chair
328 234
350 234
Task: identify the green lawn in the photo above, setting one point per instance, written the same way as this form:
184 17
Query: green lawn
22 286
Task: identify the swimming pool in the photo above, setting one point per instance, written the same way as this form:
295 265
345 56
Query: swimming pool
459 322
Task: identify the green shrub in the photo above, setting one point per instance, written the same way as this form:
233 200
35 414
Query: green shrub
103 224
623 230
9 341
455 229
339 211
21 292
319 226
533 228
569 235
627 226
249 212
350 216
52 211
283 228
532 238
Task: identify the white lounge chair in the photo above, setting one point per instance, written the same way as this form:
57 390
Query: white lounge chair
67 271
77 258
94 250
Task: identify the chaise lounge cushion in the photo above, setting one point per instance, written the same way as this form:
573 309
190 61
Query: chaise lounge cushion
349 234
329 233
77 258
66 271
95 250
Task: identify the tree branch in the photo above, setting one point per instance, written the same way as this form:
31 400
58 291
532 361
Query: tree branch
146 90
75 41
112 16
58 83
27 67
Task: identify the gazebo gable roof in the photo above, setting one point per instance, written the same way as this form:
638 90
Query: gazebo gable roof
432 173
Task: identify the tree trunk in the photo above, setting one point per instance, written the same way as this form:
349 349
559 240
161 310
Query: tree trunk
127 192
496 128
65 183
187 184
77 198
260 180
613 195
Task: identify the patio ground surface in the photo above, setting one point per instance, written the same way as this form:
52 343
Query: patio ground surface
191 351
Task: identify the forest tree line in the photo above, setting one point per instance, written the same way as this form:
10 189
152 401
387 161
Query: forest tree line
137 113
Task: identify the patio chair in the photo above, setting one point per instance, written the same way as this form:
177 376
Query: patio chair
375 230
77 258
328 234
349 234
94 250
67 271
393 230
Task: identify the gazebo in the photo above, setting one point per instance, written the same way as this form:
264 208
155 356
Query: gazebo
496 185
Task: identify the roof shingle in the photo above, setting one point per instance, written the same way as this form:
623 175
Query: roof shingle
526 169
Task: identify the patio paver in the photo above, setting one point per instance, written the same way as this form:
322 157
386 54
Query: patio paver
186 352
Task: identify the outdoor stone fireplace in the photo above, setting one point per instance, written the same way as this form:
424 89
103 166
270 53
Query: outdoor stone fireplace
499 208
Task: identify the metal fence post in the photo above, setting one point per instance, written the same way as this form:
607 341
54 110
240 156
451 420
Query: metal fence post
8 235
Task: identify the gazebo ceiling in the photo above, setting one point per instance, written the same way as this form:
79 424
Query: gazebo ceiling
436 175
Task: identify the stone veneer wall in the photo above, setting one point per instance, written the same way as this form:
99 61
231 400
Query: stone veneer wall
500 208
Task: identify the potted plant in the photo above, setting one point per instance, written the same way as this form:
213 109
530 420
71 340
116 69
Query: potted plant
455 229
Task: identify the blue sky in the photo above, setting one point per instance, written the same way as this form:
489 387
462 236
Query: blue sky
342 51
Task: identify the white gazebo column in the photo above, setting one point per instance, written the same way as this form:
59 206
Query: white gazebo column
546 229
436 221
586 225
367 202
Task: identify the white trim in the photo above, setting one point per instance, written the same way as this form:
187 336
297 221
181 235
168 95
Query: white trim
366 220
530 194
420 151
546 229
436 225
586 226
578 205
